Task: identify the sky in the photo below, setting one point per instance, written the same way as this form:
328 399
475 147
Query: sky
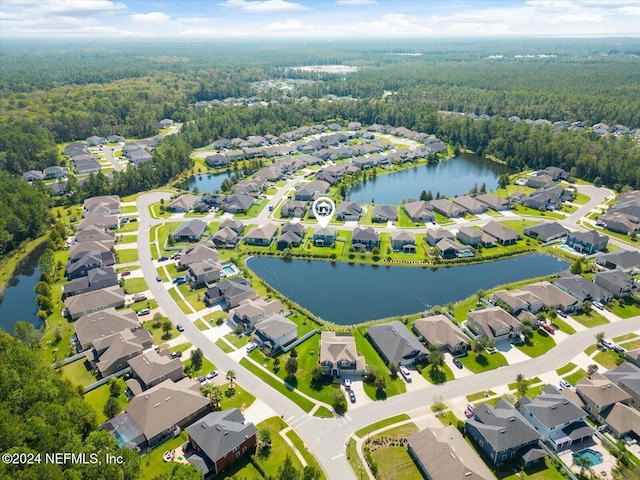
339 19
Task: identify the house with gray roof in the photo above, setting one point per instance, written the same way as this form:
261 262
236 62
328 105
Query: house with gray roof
494 202
365 238
204 273
385 213
395 343
200 252
494 323
102 205
324 237
419 211
111 222
501 432
503 235
619 283
293 208
474 237
251 312
516 301
599 395
441 331
587 242
235 225
546 231
443 454
310 191
470 204
79 305
289 239
262 235
235 290
448 208
225 238
552 296
349 211
184 203
627 377
339 355
111 354
434 235
624 260
152 368
102 324
238 203
450 249
97 234
624 220
55 172
190 231
32 175
275 332
582 289
560 421
403 241
95 279
219 440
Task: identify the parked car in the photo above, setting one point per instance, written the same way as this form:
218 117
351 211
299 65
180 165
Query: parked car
607 343
598 305
180 280
133 220
565 384
180 327
347 383
352 396
177 354
251 347
204 383
618 349
471 406
457 363
163 259
158 278
562 314
144 311
468 413
406 374
201 379
548 328
211 375
126 273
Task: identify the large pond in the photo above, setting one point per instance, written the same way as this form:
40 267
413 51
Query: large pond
450 177
18 301
348 294
206 182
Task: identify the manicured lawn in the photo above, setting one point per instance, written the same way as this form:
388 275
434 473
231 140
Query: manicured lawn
539 344
162 274
544 471
323 412
395 462
127 239
201 325
448 418
180 348
394 384
566 369
300 446
236 398
302 402
480 395
519 225
488 361
78 373
437 376
98 397
574 377
193 297
522 210
626 308
128 227
154 211
254 211
127 256
590 319
237 341
222 345
532 381
626 337
608 359
581 199
563 326
354 458
206 367
153 465
129 209
279 450
179 301
632 345
135 285
159 336
381 424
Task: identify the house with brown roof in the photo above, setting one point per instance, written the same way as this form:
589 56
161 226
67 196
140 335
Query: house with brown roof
204 273
184 203
403 241
474 237
552 296
515 301
105 323
599 395
502 235
434 235
494 323
262 235
440 331
251 312
338 354
448 208
470 204
200 252
111 354
96 233
420 211
152 368
225 238
79 305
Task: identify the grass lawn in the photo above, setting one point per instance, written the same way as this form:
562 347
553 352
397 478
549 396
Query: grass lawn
539 344
437 376
581 199
323 412
626 308
78 373
153 465
237 341
254 211
194 297
201 325
300 446
522 210
544 471
127 239
394 384
236 398
129 209
135 285
624 338
381 424
274 457
179 301
162 274
302 402
519 225
480 395
448 418
127 256
206 367
98 397
180 348
608 359
488 361
632 345
128 227
395 462
563 326
590 319
566 369
159 336
532 381
354 458
574 377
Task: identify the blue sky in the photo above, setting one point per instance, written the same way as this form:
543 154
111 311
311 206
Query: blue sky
340 19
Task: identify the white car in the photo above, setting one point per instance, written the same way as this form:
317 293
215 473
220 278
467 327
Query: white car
406 374
565 384
251 347
347 383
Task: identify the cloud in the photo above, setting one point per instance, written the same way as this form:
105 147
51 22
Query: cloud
264 6
155 17
355 2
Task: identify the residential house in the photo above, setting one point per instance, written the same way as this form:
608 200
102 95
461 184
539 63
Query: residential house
441 331
474 237
200 252
599 395
349 211
403 241
546 232
204 273
582 289
419 211
633 356
95 279
556 173
97 234
275 332
540 181
339 355
385 213
624 260
251 186
217 160
89 165
561 422
587 242
95 141
84 257
470 204
235 225
395 343
111 222
238 203
105 323
251 312
79 305
152 368
293 208
219 440
516 301
448 208
32 175
310 191
55 172
262 235
552 296
449 248
619 283
225 238
324 237
443 454
494 323
503 235
235 290
494 202
102 205
435 235
502 433
622 420
190 231
625 220
291 235
111 354
627 377
365 238
184 203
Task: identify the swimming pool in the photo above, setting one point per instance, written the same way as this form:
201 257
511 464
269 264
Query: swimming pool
567 248
229 270
594 458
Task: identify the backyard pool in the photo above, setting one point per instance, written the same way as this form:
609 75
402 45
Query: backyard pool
568 249
229 270
594 458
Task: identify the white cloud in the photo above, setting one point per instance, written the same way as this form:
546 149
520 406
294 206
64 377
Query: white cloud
355 2
264 6
155 17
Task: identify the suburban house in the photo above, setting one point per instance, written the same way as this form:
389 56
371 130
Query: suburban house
291 234
152 368
627 377
112 222
251 186
200 252
450 249
238 203
235 290
494 202
552 296
338 354
403 241
474 237
516 301
204 273
443 454
86 257
349 211
103 205
293 208
502 433
620 284
324 237
470 204
622 420
251 312
582 289
275 332
623 221
494 323
111 354
439 330
79 305
219 439
561 422
419 211
385 213
624 260
448 208
546 232
55 172
32 175
190 231
434 235
633 356
365 238
310 191
184 203
95 279
262 235
96 234
105 323
94 141
599 395
226 238
395 343
540 181
502 235
587 242
235 225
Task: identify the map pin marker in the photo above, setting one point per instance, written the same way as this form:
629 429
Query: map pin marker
323 209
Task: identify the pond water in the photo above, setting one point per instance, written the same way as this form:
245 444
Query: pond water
18 301
451 177
206 182
350 294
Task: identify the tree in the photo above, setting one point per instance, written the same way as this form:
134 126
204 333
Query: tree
166 327
276 364
338 402
293 353
214 394
157 319
171 240
381 383
111 408
503 181
576 267
264 437
114 388
522 385
291 367
479 345
599 337
375 251
586 306
27 334
527 332
287 471
591 369
370 374
231 376
480 294
316 374
423 195
436 359
393 369
310 473
197 358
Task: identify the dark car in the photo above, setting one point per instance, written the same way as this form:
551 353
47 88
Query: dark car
163 259
177 354
562 314
180 327
457 363
158 278
352 396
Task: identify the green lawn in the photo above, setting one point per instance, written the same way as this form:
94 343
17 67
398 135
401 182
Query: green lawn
608 359
437 376
590 319
625 338
275 456
128 227
153 465
480 395
301 447
127 256
181 347
236 398
532 381
581 199
135 285
488 361
98 397
381 424
254 211
566 369
201 325
519 225
526 211
179 301
206 367
544 471
159 336
574 377
448 418
539 344
127 239
632 345
563 326
626 308
237 341
395 462
78 373
323 412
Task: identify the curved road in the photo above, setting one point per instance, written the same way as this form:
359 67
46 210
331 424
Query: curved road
326 437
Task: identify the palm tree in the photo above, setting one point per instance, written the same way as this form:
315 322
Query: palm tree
231 376
214 394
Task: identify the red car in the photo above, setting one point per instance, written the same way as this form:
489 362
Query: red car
468 413
548 328
125 273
